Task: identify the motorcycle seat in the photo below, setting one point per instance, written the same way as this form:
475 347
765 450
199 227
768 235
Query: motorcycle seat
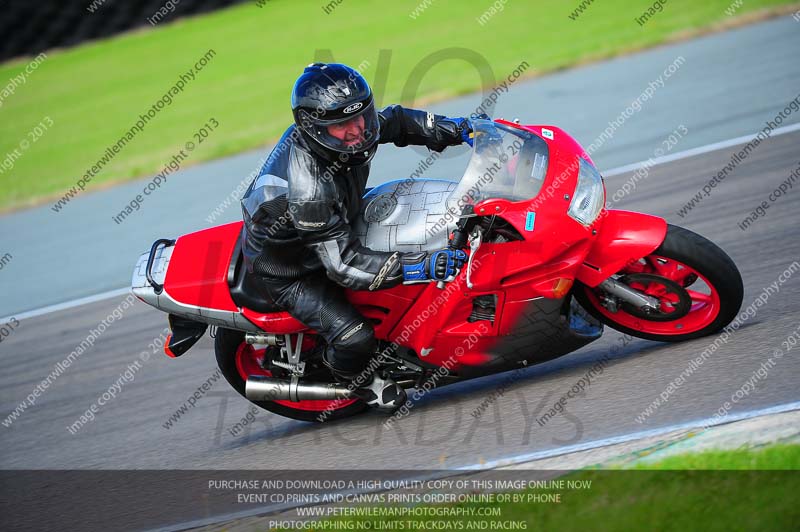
246 288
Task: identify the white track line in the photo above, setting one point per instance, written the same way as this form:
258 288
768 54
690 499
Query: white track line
697 151
605 442
68 304
609 173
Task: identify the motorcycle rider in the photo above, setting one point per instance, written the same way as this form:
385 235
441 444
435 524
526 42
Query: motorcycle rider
298 213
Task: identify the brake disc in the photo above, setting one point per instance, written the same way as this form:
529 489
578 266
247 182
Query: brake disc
681 303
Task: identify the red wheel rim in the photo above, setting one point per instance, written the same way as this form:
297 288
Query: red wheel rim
247 363
705 298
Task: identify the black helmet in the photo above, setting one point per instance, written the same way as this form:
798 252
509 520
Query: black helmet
336 95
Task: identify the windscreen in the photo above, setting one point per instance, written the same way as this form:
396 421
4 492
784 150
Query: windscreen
506 163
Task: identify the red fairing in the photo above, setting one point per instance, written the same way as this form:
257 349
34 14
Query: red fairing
623 237
167 350
385 308
527 280
275 322
198 269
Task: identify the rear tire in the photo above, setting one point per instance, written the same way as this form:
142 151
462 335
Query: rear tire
227 345
681 252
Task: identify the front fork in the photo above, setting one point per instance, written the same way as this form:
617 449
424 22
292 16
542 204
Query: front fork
629 295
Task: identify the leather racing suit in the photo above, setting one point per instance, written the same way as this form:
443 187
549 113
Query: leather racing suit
297 233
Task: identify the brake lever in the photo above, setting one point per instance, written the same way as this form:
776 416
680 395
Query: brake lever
457 241
475 240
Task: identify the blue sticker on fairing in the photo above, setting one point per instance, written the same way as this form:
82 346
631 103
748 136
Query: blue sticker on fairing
529 221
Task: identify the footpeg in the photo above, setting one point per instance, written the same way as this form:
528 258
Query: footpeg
383 394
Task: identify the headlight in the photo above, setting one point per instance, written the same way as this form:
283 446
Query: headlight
589 196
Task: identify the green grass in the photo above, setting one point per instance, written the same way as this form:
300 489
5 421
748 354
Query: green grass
775 457
94 93
710 491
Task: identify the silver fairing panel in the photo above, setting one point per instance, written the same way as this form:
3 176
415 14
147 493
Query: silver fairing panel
406 216
141 288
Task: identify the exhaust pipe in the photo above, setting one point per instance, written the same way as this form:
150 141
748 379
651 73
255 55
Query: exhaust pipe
258 388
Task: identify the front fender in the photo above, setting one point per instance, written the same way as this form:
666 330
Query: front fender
623 237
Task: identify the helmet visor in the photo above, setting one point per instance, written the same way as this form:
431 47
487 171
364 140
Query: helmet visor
351 134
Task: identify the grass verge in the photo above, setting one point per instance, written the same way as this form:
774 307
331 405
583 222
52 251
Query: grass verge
719 490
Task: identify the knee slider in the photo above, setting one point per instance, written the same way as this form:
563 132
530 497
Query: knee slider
358 338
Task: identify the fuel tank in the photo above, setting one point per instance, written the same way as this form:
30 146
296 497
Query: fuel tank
406 215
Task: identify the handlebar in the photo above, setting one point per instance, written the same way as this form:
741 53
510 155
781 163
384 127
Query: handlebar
459 241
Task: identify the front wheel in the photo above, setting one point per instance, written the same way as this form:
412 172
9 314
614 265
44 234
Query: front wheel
697 284
237 360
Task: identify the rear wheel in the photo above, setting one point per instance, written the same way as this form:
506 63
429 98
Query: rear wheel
698 287
237 360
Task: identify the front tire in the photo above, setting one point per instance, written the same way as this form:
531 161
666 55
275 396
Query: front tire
697 283
237 360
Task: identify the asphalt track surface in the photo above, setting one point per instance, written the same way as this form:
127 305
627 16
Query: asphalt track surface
129 431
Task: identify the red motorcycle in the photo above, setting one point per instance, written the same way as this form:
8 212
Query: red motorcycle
548 266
